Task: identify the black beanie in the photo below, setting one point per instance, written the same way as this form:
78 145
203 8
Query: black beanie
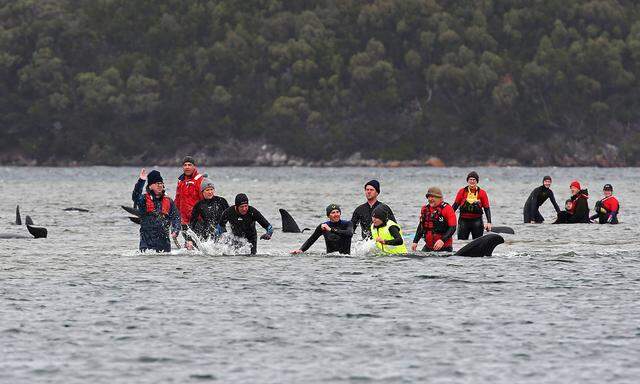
473 174
241 198
607 187
546 178
375 184
189 159
154 177
333 207
380 213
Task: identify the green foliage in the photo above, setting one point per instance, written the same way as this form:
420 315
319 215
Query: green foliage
105 80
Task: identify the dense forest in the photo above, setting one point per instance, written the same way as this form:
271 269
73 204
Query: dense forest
125 81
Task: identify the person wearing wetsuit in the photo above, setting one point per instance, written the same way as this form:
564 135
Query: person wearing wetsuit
579 211
337 233
437 224
159 216
362 214
242 219
537 197
207 212
386 233
607 208
472 201
563 216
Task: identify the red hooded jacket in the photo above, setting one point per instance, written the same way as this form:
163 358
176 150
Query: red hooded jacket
188 194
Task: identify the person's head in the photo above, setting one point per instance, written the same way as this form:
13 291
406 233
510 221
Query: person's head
188 165
434 195
334 212
207 189
575 187
379 216
473 178
546 181
242 203
155 183
568 204
372 190
608 190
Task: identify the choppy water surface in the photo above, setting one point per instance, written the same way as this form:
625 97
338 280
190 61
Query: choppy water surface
554 304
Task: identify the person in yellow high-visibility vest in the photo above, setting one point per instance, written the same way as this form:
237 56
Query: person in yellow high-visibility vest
386 233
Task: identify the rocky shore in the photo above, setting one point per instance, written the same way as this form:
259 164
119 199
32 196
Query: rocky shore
266 155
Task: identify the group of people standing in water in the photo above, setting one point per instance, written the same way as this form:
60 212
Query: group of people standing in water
576 207
197 210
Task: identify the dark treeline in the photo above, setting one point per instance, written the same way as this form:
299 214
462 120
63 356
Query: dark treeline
107 81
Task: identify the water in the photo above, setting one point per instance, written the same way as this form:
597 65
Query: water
554 304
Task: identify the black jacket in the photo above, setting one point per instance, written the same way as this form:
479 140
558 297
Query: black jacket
362 216
244 226
206 216
338 239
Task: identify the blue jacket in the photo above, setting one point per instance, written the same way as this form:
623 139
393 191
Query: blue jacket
154 227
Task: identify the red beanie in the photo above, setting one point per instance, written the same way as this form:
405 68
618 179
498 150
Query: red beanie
575 183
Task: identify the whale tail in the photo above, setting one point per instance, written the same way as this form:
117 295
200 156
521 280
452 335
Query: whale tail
18 219
289 225
482 246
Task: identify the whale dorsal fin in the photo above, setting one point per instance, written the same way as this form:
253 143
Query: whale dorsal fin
289 225
482 246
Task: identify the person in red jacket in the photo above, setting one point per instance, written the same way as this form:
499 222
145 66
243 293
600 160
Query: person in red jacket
188 192
607 208
437 224
472 201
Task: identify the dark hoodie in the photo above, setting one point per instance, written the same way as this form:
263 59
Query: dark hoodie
580 209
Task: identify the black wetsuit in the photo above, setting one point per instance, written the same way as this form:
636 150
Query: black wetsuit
338 239
244 226
206 215
537 197
362 216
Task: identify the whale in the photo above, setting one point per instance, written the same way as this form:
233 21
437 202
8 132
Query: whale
482 246
289 225
36 232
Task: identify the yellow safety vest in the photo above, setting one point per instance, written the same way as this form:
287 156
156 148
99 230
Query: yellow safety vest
383 232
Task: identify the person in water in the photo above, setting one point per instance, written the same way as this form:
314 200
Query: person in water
537 197
607 208
159 217
437 224
578 209
472 201
242 217
188 193
563 216
337 233
386 233
362 214
207 212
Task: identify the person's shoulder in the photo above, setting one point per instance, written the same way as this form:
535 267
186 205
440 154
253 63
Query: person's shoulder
362 206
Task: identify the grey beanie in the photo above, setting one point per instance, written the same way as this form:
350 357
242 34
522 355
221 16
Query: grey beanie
206 183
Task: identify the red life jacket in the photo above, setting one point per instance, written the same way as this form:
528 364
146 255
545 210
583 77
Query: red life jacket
574 199
151 206
434 224
188 194
611 204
